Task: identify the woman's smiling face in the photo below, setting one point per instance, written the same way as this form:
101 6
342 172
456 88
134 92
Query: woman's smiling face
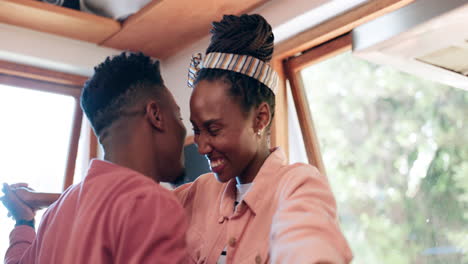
223 131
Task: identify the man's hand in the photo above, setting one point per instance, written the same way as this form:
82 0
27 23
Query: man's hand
16 208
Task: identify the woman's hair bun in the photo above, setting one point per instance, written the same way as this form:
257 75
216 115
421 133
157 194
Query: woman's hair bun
245 35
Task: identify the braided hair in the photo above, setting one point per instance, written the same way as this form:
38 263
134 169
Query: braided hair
244 35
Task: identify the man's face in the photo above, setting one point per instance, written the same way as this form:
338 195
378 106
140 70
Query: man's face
174 137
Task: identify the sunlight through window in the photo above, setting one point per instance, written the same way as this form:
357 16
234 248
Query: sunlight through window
34 142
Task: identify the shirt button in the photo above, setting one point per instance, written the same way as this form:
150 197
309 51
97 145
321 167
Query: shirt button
258 259
221 220
232 242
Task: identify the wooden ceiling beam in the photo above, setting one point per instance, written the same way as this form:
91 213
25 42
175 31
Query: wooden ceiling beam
57 20
164 27
336 26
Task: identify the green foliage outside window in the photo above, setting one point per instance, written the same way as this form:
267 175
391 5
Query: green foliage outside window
395 149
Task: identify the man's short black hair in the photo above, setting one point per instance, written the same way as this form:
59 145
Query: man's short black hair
117 85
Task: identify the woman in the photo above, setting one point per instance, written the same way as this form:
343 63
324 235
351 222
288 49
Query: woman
256 208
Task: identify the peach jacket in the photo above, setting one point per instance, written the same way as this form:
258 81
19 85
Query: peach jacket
288 216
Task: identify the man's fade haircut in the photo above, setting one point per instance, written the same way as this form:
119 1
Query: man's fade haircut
118 84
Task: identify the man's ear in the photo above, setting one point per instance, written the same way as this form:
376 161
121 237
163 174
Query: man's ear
154 115
262 117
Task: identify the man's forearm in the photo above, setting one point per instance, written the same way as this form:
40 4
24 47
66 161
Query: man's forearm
21 239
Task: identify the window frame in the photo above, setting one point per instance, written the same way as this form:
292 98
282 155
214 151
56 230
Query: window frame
294 66
30 77
311 46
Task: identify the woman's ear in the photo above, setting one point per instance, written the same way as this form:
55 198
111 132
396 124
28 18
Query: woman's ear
262 117
154 115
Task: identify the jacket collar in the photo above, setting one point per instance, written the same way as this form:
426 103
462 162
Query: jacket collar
99 167
263 184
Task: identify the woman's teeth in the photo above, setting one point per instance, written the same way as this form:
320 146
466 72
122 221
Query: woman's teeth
216 163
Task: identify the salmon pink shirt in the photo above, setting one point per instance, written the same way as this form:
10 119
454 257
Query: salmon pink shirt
116 215
287 216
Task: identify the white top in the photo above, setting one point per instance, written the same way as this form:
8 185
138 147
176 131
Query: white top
242 190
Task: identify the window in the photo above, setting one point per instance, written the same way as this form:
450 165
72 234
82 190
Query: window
35 136
394 150
41 120
392 145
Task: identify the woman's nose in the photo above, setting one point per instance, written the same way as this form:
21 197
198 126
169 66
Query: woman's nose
203 144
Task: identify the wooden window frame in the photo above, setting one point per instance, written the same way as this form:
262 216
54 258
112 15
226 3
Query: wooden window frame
293 70
35 78
311 46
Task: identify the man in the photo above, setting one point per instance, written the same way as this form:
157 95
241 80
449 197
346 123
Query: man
118 214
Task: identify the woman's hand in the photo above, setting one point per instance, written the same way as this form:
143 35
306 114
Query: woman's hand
16 207
29 197
35 200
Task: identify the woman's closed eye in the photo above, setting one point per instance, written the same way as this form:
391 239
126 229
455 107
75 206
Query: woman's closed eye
214 131
211 131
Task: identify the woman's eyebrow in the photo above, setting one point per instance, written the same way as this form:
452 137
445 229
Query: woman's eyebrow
211 121
206 123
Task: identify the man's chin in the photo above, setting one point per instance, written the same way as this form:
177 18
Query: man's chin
179 179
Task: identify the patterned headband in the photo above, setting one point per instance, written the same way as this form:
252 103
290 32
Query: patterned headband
243 64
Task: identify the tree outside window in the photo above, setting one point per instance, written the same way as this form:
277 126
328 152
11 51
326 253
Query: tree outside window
395 149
